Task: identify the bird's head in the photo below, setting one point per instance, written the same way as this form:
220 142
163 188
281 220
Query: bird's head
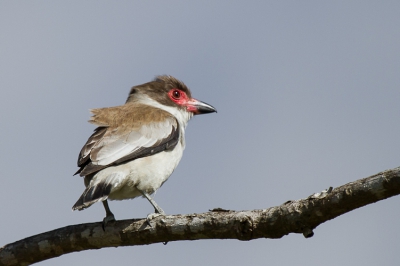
169 92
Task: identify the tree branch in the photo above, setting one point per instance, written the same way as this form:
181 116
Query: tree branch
300 216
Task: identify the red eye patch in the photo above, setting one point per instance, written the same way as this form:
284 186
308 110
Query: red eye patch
178 96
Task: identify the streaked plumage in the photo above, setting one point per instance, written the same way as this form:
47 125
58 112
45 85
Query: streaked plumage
136 146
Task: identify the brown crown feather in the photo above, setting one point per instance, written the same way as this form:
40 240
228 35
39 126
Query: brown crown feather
161 85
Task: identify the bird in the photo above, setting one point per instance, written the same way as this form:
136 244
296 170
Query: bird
136 146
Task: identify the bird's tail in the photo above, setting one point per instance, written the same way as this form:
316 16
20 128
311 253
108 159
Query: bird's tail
93 194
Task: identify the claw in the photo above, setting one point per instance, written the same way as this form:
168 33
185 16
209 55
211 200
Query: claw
151 216
106 220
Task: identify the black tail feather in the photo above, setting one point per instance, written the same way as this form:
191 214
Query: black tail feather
92 195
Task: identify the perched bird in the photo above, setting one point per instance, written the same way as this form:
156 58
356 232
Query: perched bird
137 146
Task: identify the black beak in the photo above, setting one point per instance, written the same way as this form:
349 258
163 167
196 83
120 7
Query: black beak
198 107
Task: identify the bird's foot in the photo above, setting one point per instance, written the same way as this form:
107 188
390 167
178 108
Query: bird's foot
107 219
151 216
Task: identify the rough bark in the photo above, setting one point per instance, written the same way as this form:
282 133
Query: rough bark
300 216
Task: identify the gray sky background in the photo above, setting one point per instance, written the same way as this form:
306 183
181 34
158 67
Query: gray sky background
307 94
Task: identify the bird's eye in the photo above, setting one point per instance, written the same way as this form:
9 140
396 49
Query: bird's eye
176 94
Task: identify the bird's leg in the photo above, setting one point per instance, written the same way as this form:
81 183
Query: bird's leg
109 215
157 209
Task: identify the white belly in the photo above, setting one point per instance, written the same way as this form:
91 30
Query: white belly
146 174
